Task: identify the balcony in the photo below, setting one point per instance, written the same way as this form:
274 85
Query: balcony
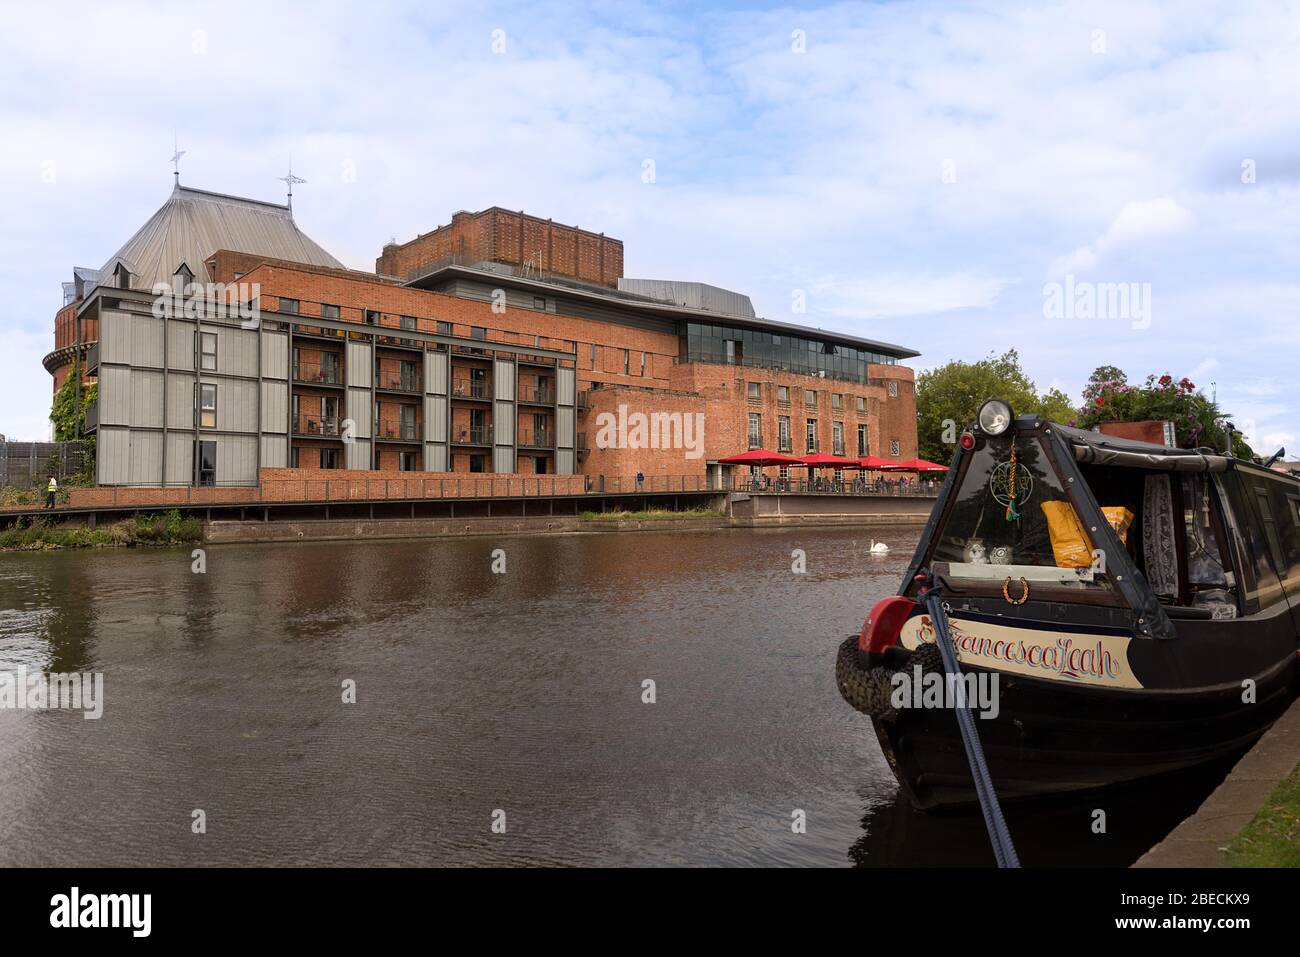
406 432
472 389
317 373
92 359
92 417
312 426
531 395
536 440
472 435
391 377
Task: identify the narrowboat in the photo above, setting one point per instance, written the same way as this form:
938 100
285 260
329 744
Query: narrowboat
1138 605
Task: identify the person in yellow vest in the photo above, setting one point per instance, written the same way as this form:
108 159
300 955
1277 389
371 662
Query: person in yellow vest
50 491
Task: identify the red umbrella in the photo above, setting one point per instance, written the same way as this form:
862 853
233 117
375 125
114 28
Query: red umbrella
760 458
875 462
822 460
918 465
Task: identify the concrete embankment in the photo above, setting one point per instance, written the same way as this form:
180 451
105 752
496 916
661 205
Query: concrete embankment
1202 840
326 530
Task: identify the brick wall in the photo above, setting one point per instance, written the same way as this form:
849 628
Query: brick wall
515 238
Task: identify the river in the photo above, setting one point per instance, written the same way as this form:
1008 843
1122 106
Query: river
481 697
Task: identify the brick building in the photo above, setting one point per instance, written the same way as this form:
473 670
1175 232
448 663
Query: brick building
224 342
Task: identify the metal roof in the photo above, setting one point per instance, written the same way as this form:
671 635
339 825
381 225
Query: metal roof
432 276
194 223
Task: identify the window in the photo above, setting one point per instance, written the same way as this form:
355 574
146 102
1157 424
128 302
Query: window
862 441
477 332
207 346
895 448
811 436
643 363
329 367
444 328
182 279
407 421
862 405
539 302
478 463
289 305
755 430
783 394
206 453
408 323
837 438
206 405
593 355
837 401
372 317
783 433
627 362
406 462
810 398
755 390
409 375
328 312
893 389
329 458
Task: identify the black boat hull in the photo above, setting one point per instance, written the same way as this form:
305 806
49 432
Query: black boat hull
1054 738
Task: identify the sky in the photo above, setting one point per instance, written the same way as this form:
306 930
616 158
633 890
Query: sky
959 178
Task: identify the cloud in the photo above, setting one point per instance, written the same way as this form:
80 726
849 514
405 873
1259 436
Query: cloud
899 295
825 170
1136 223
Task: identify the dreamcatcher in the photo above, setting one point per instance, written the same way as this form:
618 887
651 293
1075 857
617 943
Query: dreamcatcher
1011 485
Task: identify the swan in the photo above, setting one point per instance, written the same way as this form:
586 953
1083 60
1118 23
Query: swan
878 548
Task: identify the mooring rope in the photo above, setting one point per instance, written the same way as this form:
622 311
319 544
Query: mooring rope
1004 851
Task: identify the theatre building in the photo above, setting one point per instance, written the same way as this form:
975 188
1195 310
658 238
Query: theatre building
224 341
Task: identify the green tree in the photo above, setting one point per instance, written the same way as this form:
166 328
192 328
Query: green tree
1101 378
70 422
947 399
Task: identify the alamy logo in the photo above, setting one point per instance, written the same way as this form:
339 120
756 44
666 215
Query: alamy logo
1098 300
656 430
214 300
103 910
930 689
38 691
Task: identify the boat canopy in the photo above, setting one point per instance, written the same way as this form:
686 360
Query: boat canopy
1097 448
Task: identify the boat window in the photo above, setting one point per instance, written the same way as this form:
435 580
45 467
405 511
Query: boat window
1260 586
1205 565
1020 523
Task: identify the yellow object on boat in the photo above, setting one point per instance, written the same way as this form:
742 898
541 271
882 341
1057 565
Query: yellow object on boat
1120 519
1070 545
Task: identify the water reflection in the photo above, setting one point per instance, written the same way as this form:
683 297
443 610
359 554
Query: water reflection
475 692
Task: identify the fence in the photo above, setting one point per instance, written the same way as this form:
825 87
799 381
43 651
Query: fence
24 464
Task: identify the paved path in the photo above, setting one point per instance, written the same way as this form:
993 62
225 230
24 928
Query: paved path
1202 840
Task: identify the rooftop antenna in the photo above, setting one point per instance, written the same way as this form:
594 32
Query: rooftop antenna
289 181
177 153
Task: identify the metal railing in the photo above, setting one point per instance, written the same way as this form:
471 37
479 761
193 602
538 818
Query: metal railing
272 491
536 439
469 435
471 389
535 395
406 432
311 425
397 380
317 373
828 485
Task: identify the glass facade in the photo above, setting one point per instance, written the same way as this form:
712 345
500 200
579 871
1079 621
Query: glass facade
708 342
